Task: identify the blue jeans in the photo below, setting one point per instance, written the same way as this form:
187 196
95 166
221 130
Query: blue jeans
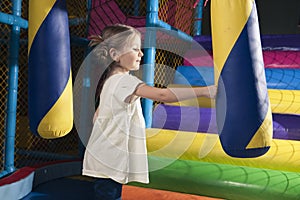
107 189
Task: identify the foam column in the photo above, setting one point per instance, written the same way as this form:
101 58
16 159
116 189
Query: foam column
242 105
50 80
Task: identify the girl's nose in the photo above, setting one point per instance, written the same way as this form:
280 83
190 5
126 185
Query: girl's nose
141 53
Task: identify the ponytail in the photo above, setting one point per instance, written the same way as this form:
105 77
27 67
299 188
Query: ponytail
95 40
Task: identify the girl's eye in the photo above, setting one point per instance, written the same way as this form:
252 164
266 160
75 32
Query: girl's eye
136 49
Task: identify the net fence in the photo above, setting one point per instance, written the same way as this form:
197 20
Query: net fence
30 149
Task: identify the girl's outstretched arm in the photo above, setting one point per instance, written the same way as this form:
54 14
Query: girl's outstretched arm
169 95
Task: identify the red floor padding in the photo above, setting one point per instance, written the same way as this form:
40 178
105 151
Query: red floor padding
138 193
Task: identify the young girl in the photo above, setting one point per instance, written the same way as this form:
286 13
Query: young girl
116 152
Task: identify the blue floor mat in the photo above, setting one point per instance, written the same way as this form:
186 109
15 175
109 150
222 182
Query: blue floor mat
63 189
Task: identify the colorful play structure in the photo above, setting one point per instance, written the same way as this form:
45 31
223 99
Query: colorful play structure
245 144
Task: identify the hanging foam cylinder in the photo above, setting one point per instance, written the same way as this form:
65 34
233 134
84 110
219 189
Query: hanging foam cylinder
243 110
49 73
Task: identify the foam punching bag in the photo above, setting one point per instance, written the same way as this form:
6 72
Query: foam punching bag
244 117
49 75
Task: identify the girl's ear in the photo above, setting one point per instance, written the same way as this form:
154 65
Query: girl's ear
114 54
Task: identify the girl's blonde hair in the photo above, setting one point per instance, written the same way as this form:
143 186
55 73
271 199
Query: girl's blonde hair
116 36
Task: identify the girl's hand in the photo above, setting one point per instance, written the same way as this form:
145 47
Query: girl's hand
211 91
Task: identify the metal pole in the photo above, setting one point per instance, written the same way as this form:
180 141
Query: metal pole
198 19
149 58
12 19
12 90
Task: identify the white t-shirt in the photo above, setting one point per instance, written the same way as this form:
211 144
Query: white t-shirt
117 145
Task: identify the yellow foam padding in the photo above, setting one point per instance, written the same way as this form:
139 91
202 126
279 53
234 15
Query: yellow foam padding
59 120
283 154
197 102
38 11
285 101
282 101
264 134
228 20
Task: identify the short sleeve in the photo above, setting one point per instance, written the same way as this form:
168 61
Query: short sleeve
127 85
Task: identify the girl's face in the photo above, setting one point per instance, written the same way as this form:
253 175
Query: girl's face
130 61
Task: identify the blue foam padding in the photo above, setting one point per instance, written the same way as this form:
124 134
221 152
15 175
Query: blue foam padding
277 78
